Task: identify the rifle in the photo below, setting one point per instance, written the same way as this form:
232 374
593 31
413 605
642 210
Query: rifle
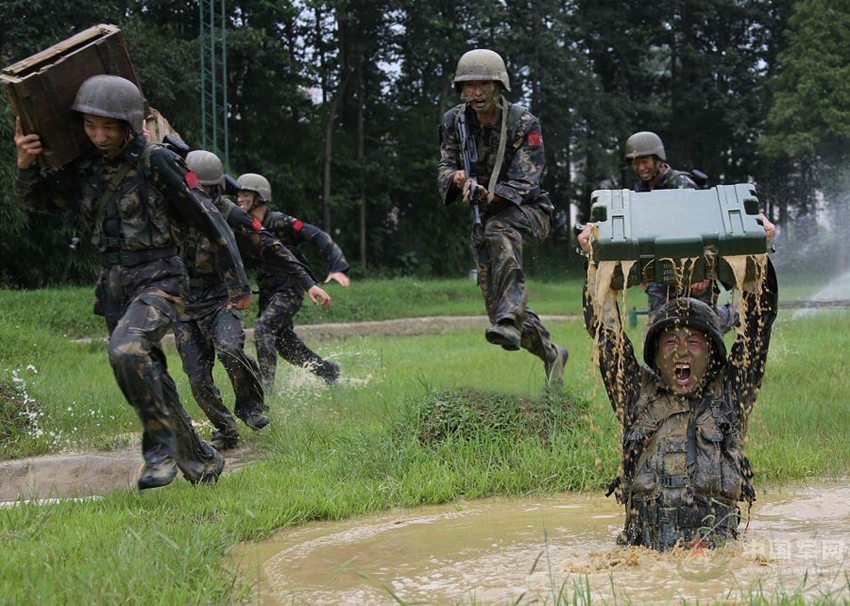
469 159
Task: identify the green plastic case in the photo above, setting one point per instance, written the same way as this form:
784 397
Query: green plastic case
677 235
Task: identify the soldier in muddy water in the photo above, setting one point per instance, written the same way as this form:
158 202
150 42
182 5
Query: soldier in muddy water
136 198
210 329
514 212
684 415
280 296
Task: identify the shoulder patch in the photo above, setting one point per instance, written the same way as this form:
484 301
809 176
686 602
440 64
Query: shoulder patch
192 180
535 139
257 225
298 225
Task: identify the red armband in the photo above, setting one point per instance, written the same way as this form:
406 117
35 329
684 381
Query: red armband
298 225
192 180
257 225
535 139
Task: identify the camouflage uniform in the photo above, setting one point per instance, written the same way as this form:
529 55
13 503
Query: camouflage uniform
522 216
209 329
281 298
142 284
683 456
657 293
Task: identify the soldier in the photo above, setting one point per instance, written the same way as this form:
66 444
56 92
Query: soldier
280 298
135 198
645 152
516 211
683 415
209 328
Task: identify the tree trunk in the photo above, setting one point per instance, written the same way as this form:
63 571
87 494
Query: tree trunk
361 158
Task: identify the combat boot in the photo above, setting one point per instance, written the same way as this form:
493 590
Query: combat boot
210 472
160 473
253 418
223 440
554 368
505 334
328 370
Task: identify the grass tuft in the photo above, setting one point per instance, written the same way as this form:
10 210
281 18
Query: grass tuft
470 414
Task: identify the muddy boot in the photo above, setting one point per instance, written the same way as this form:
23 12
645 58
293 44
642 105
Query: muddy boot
210 472
253 418
505 334
327 370
160 473
224 440
554 368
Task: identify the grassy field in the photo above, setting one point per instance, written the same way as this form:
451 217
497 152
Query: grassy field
417 420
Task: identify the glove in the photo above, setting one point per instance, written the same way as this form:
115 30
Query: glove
467 192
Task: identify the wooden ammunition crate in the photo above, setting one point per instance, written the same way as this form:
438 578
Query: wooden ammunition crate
43 87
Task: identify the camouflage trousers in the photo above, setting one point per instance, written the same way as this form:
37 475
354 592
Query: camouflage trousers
199 341
140 304
275 332
498 255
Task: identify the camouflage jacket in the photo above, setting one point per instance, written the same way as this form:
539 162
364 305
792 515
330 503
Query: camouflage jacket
522 169
679 450
292 232
150 208
671 179
207 290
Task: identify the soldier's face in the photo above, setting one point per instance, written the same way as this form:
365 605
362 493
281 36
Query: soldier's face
246 199
108 134
646 167
481 94
682 359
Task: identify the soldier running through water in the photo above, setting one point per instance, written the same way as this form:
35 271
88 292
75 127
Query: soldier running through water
684 415
515 212
209 328
280 297
136 198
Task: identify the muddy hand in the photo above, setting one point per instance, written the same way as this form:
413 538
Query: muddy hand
29 146
338 277
585 236
769 228
319 297
242 304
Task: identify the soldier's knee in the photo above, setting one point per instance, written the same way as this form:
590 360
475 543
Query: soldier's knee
127 353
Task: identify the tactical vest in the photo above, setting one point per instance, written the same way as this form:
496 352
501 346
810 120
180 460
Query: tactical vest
197 252
135 216
515 112
683 469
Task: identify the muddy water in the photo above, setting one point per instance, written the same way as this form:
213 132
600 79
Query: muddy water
533 550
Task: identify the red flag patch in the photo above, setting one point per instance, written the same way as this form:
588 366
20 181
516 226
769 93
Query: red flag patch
257 225
298 225
192 180
535 140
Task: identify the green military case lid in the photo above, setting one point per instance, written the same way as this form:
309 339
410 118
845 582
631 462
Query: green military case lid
681 225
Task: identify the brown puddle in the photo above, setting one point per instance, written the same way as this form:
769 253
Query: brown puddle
548 550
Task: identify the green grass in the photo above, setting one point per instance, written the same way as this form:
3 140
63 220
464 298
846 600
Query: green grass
381 440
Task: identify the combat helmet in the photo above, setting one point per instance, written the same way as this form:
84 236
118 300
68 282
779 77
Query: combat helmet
111 97
257 184
206 166
481 64
689 312
644 143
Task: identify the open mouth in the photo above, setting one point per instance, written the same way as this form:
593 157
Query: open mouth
683 373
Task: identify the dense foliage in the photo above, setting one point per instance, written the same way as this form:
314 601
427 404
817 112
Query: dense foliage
337 103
